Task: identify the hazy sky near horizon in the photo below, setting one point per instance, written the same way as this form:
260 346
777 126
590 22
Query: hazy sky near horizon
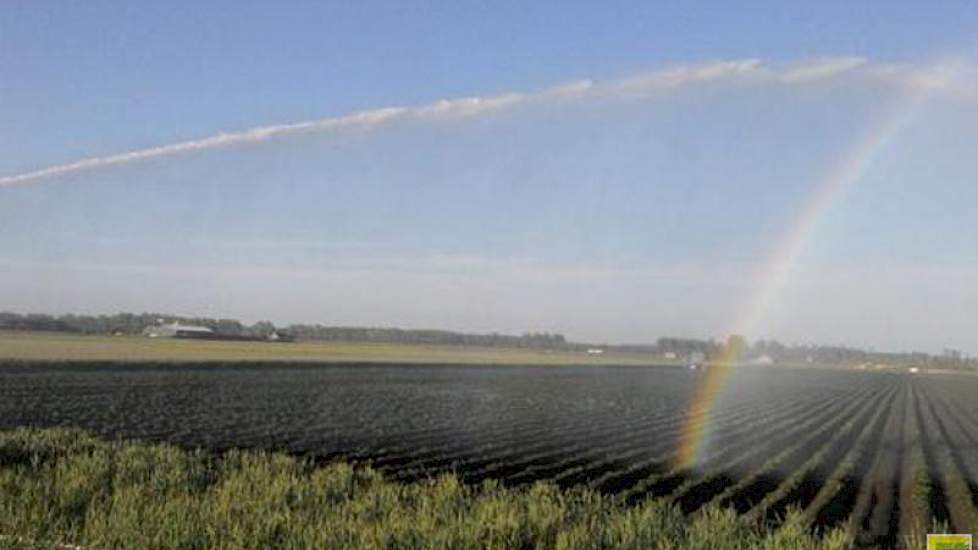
627 172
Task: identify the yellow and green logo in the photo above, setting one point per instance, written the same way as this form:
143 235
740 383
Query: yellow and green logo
949 542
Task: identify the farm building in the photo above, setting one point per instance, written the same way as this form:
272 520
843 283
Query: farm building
176 330
277 336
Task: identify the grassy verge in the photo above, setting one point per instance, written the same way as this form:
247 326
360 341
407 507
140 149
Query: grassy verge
62 486
31 346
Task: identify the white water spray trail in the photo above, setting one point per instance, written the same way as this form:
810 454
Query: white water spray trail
636 86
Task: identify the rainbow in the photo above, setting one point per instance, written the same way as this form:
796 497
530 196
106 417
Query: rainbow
843 175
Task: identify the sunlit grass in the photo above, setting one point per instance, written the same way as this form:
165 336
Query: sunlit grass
28 346
61 486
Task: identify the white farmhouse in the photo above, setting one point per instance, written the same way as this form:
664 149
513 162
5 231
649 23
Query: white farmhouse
176 330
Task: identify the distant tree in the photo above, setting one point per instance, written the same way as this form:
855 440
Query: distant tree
735 349
262 329
735 346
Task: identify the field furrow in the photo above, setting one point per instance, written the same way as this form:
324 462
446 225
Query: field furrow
881 456
836 498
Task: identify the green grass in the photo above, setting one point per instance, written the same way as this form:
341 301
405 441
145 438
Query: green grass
62 486
36 346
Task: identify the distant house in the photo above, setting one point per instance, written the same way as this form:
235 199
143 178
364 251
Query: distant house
277 336
595 351
176 330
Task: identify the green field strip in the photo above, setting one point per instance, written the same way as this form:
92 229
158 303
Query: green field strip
615 432
774 435
964 432
914 507
26 348
664 452
555 438
793 452
608 480
101 494
814 448
933 480
608 483
869 522
433 449
612 432
799 489
959 496
503 438
821 509
668 482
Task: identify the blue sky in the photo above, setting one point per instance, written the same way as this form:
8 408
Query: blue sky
644 203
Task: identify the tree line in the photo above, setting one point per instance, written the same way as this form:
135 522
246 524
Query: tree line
735 347
136 323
